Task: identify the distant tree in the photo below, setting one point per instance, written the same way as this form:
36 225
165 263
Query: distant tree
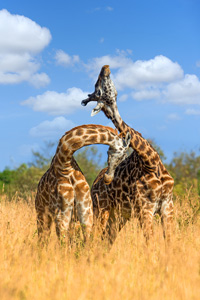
198 181
25 178
184 167
88 160
42 158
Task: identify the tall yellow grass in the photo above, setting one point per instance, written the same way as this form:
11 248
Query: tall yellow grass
130 270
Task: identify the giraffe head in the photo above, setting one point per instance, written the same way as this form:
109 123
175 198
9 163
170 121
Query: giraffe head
105 94
116 154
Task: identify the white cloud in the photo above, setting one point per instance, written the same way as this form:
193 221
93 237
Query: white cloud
39 79
185 91
18 52
118 61
52 129
191 111
64 59
138 74
173 116
198 63
147 73
158 78
123 98
57 103
109 8
146 94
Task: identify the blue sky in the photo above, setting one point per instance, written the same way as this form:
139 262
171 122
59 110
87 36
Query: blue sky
52 51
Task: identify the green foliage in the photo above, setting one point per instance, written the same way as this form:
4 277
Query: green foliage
89 161
185 169
198 182
25 178
22 180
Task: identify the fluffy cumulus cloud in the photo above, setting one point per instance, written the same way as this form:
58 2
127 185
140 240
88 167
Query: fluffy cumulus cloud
57 103
146 94
192 111
185 91
18 53
119 61
140 73
173 116
158 78
147 73
64 59
52 129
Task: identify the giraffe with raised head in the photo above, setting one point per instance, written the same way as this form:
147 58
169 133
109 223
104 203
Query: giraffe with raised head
141 184
64 185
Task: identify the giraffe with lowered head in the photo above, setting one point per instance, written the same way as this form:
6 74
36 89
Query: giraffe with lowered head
64 185
141 184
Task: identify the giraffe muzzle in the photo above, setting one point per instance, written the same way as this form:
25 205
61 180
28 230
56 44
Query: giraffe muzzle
107 179
91 97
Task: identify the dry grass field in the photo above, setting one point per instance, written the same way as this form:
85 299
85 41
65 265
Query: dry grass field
130 270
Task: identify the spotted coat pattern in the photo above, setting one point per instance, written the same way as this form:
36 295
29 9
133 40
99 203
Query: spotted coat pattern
142 186
64 185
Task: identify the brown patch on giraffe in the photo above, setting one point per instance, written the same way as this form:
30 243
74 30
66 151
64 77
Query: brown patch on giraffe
154 183
87 203
125 187
168 185
82 186
62 158
79 131
65 189
68 135
152 161
142 146
78 175
102 138
149 152
104 195
118 193
110 137
91 131
136 142
80 192
93 139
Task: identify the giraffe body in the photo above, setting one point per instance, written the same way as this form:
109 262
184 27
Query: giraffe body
64 184
141 184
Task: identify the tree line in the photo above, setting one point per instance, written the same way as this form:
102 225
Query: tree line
184 167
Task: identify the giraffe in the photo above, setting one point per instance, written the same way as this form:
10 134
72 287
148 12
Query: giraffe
142 186
64 184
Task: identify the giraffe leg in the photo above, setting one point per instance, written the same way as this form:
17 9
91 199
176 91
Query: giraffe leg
85 214
63 219
167 217
44 221
115 223
146 220
64 214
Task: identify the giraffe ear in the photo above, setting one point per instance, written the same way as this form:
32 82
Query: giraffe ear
116 132
127 139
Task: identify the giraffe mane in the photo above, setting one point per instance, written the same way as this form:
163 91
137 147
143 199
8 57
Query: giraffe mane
92 126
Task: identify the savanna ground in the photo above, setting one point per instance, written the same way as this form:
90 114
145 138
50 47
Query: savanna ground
130 270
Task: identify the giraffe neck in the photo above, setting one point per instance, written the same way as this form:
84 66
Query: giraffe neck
79 137
148 154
